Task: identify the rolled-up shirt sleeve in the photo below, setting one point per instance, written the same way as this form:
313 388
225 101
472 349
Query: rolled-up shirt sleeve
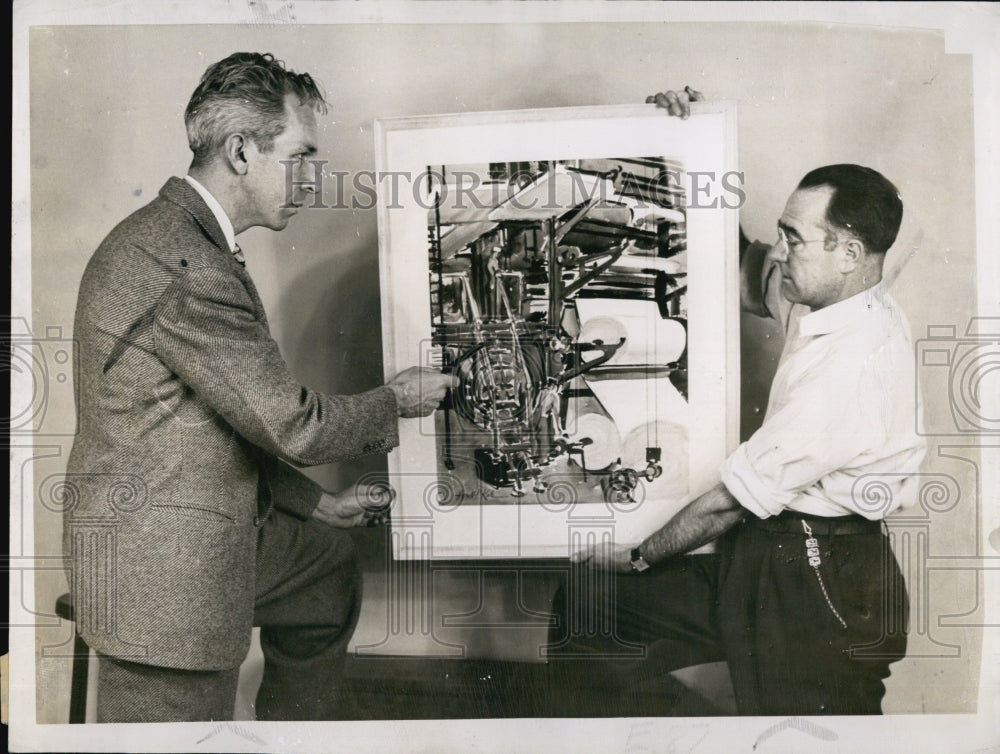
818 430
755 492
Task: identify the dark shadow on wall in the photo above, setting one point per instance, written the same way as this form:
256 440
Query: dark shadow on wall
760 348
338 347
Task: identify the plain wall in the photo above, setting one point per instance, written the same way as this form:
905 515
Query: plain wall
107 131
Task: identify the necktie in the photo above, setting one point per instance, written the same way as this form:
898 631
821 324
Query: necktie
238 255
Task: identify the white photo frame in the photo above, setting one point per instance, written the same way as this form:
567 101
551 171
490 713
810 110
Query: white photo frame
439 512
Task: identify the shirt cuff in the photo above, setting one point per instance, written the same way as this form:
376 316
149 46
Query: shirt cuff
753 491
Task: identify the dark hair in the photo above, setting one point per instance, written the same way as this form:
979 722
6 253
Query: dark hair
245 93
864 203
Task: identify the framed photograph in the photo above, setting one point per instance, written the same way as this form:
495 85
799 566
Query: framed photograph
577 270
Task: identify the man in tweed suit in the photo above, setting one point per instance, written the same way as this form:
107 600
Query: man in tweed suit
188 523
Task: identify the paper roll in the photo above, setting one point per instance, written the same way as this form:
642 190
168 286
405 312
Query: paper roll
634 403
649 339
587 419
672 440
608 330
606 442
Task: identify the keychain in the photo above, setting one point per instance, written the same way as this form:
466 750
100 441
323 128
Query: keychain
812 552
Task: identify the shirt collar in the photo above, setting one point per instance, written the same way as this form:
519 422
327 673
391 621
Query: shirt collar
835 316
220 214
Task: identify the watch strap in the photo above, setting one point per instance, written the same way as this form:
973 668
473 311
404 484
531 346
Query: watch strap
637 562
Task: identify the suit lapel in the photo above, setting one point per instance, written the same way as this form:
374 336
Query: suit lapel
180 192
243 275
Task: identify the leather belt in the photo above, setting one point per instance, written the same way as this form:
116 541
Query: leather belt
790 522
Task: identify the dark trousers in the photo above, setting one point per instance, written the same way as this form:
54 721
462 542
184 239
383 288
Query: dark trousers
799 640
308 595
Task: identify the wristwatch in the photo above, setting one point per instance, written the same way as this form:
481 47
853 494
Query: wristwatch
637 562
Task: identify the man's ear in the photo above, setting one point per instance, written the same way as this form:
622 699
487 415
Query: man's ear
853 254
235 145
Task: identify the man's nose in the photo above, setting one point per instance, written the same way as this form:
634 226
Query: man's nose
307 177
778 252
310 176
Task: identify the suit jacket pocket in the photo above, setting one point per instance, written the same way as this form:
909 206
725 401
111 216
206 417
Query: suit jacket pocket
193 511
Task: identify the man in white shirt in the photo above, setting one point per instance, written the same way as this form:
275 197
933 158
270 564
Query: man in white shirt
804 579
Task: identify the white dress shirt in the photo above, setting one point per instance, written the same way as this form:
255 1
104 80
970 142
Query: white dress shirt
220 214
840 432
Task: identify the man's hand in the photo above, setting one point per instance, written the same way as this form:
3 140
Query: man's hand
362 504
420 390
606 556
676 103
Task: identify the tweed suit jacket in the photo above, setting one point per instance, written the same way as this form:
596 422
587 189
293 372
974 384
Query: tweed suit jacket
188 419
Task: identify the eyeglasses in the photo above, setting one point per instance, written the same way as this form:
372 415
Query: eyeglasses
793 244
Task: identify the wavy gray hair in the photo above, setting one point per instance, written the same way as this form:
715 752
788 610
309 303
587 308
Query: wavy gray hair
245 93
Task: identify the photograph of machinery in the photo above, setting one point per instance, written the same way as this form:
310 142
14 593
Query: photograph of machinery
558 296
